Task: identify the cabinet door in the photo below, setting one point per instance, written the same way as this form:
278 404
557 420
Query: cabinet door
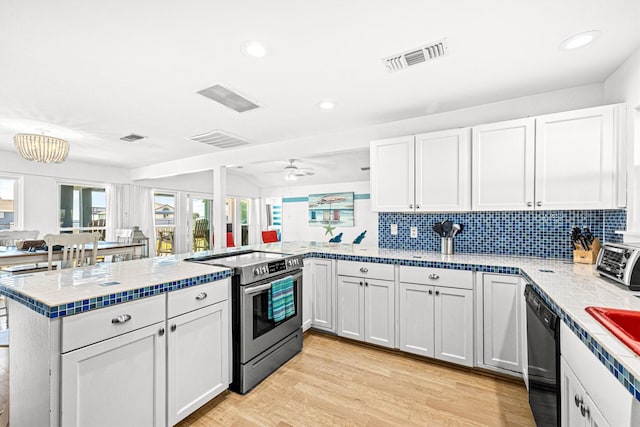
454 325
595 417
575 160
503 166
392 174
117 382
380 313
416 319
323 294
502 322
572 397
350 307
307 294
443 171
197 359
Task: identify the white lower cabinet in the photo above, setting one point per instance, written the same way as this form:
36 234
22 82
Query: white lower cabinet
366 305
502 320
578 410
116 382
197 359
323 299
307 295
437 320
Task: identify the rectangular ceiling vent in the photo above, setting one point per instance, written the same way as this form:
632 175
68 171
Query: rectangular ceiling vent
365 168
219 138
132 138
228 98
417 56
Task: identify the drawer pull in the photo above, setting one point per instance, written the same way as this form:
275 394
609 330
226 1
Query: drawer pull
366 283
437 293
430 292
173 328
360 283
201 296
364 269
433 276
123 318
161 332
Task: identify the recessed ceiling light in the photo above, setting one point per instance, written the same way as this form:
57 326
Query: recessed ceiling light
254 49
579 40
326 105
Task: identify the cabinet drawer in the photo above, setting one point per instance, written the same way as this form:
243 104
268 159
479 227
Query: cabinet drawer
366 269
87 328
189 299
437 276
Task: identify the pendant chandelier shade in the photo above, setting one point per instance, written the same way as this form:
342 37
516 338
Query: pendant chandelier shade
41 148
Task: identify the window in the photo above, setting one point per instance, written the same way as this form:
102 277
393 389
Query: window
165 222
9 189
201 226
83 209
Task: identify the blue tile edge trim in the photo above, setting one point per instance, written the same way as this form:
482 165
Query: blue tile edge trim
417 263
622 374
111 299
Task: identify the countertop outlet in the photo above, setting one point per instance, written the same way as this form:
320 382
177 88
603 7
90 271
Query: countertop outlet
394 229
414 232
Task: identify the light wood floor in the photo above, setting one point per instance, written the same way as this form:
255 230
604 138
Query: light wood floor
337 382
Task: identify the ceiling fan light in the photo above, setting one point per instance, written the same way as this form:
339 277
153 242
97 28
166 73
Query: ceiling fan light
290 176
41 148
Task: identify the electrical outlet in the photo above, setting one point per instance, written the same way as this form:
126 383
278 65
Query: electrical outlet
394 229
414 232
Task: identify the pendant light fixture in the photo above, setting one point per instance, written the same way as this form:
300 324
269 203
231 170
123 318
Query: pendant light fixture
41 148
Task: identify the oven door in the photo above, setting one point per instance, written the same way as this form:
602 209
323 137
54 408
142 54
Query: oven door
258 332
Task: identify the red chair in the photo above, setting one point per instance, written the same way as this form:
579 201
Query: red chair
269 236
230 242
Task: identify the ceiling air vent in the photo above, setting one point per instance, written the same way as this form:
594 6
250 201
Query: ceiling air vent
220 139
228 98
132 138
417 56
365 168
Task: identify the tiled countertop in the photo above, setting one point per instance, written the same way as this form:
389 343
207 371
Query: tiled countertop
568 287
66 292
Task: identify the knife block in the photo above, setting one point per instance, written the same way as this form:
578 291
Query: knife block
580 256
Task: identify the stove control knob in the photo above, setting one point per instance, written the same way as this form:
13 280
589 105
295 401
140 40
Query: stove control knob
256 271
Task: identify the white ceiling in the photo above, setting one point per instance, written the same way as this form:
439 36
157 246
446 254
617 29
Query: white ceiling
94 71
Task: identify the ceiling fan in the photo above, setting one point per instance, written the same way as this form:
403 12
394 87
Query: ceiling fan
292 172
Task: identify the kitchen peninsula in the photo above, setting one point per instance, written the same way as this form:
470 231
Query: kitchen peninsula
54 333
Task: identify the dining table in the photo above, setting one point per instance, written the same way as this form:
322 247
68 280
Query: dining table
12 256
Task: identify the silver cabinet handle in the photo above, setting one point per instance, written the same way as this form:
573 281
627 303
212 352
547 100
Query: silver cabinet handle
360 283
538 203
161 332
123 318
433 276
410 205
437 293
430 292
364 269
417 206
366 283
173 328
201 296
529 204
578 400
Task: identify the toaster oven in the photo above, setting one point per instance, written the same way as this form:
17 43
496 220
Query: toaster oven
620 262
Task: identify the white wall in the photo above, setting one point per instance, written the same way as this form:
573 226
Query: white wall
295 215
624 86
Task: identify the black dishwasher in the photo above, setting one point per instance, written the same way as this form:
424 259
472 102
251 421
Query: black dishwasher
543 351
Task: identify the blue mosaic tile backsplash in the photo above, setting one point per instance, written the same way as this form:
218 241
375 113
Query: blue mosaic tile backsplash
524 233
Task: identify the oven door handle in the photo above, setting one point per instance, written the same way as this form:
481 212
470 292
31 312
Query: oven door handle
256 289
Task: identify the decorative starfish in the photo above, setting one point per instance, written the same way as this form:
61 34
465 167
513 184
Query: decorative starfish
329 230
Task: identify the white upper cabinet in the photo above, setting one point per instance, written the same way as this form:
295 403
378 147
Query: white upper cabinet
392 174
424 173
503 165
570 160
575 159
442 177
